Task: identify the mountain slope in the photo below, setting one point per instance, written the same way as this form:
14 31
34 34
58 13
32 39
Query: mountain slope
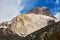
50 32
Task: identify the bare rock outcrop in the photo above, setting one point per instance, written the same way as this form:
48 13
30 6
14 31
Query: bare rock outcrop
26 24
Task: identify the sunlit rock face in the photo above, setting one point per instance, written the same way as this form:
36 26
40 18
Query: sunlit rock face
26 24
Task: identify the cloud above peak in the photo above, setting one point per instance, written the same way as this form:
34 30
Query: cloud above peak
57 2
57 15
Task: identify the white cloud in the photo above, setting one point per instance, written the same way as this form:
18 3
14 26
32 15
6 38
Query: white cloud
57 15
9 9
57 2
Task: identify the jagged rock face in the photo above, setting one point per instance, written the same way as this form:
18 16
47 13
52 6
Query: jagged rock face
43 11
24 25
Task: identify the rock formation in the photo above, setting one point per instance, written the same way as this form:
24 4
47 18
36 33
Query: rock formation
26 24
43 11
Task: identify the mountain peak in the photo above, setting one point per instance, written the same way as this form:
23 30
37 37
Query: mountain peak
26 24
43 11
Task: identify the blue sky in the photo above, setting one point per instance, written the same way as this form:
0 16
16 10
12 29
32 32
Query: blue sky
53 5
11 8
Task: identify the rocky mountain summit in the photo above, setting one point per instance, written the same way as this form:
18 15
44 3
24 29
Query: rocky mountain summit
23 25
43 11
